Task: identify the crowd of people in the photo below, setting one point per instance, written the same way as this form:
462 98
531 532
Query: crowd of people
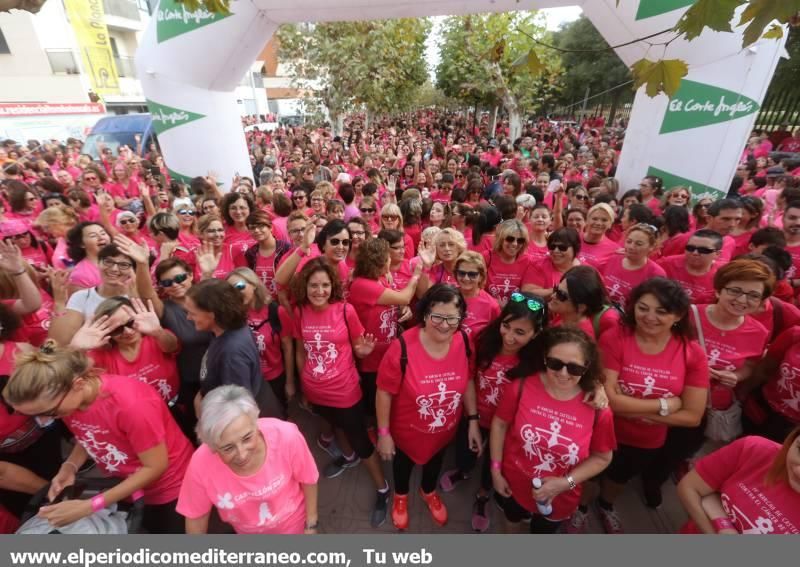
416 284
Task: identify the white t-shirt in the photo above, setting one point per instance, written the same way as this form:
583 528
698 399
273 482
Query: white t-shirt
85 302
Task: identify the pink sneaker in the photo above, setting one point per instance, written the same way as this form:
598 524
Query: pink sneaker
577 523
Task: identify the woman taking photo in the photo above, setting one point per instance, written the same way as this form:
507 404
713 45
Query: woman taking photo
507 262
262 466
656 377
84 242
424 382
622 273
121 424
564 245
543 430
329 336
751 486
580 300
500 348
596 247
482 308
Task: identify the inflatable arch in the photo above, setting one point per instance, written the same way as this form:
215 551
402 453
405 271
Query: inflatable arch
189 64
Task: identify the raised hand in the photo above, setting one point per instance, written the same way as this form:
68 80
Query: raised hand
145 319
364 345
144 189
427 254
309 236
140 254
208 259
92 334
11 259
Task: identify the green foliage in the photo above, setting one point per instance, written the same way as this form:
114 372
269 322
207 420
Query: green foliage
659 76
217 6
788 70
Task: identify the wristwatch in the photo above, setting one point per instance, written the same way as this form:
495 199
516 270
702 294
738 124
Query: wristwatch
664 411
571 482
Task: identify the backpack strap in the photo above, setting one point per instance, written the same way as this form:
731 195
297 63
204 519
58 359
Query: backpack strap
596 320
777 317
465 336
403 358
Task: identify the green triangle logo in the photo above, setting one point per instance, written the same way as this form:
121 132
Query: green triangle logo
697 104
180 176
173 19
650 8
698 190
166 117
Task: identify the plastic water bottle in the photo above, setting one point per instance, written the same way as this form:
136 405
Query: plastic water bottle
545 508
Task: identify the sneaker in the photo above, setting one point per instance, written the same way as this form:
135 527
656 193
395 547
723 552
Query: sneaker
378 516
338 466
400 511
577 523
435 506
329 446
480 519
611 522
450 480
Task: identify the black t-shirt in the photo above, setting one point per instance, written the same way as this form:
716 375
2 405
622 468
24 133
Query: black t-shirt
193 343
232 358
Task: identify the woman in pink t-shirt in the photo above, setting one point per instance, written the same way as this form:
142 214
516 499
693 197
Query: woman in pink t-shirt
482 308
505 351
656 379
623 273
332 244
507 262
751 486
448 245
187 217
392 219
544 430
258 473
84 242
580 300
235 209
540 221
120 423
596 247
214 258
55 223
424 383
328 337
564 245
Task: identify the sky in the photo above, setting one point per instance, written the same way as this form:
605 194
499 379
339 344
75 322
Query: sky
553 16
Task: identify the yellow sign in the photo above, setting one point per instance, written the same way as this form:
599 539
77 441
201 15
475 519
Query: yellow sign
88 21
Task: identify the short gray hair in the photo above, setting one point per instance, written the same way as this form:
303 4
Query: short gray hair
221 407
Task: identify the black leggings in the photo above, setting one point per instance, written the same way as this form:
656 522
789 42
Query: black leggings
42 458
163 519
466 457
515 513
352 422
278 387
402 467
369 386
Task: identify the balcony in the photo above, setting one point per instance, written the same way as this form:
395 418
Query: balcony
127 9
125 67
62 61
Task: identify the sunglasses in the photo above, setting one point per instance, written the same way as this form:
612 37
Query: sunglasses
187 212
367 211
556 364
53 412
337 241
90 178
296 197
179 279
391 217
127 221
582 197
119 330
560 294
512 240
467 275
532 304
690 248
240 285
559 247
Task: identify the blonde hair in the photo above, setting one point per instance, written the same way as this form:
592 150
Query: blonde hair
57 215
111 305
457 237
49 372
508 228
261 296
472 257
327 190
429 234
394 210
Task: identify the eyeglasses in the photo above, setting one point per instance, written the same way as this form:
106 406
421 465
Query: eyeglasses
390 217
560 294
127 221
340 241
556 364
400 247
467 275
358 233
119 330
558 246
512 240
178 279
532 304
123 266
297 231
690 248
260 226
367 211
187 212
53 412
90 178
215 230
296 197
751 296
240 285
449 320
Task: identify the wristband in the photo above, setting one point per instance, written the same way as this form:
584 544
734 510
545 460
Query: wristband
571 482
473 417
496 465
723 523
138 495
70 463
99 502
383 432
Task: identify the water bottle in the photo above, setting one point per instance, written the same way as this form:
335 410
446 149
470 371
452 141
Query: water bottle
545 508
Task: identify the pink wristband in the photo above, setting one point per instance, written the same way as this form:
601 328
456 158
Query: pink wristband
99 502
496 465
384 432
138 495
722 524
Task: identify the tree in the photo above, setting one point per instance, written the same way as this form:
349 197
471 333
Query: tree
492 59
375 65
788 70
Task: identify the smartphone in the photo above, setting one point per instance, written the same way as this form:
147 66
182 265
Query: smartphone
554 185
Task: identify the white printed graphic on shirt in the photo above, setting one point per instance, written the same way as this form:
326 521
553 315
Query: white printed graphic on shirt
225 501
103 452
549 447
388 324
790 395
616 293
646 389
437 406
260 343
321 354
502 291
264 514
489 386
761 525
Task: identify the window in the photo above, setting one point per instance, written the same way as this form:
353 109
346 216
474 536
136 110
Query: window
4 50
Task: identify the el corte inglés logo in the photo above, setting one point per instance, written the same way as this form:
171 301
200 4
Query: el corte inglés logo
697 104
174 19
650 8
166 117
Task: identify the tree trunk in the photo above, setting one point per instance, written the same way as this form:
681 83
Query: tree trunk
367 118
514 124
493 127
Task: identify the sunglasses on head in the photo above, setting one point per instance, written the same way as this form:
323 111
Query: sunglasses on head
558 246
337 241
119 330
533 304
179 279
560 294
512 240
556 364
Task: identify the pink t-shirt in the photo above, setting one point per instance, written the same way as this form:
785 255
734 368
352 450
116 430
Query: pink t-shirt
548 437
342 268
268 341
151 366
737 472
790 316
123 191
35 325
85 274
60 257
379 320
279 228
129 418
403 274
225 266
729 350
427 402
782 392
793 272
542 274
597 254
536 252
35 256
329 376
238 241
439 274
700 289
491 385
17 431
482 309
650 376
677 245
503 279
271 501
620 281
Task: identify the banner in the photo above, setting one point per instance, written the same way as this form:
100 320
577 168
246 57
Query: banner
88 21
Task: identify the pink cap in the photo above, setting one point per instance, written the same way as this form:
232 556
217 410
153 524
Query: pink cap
13 227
